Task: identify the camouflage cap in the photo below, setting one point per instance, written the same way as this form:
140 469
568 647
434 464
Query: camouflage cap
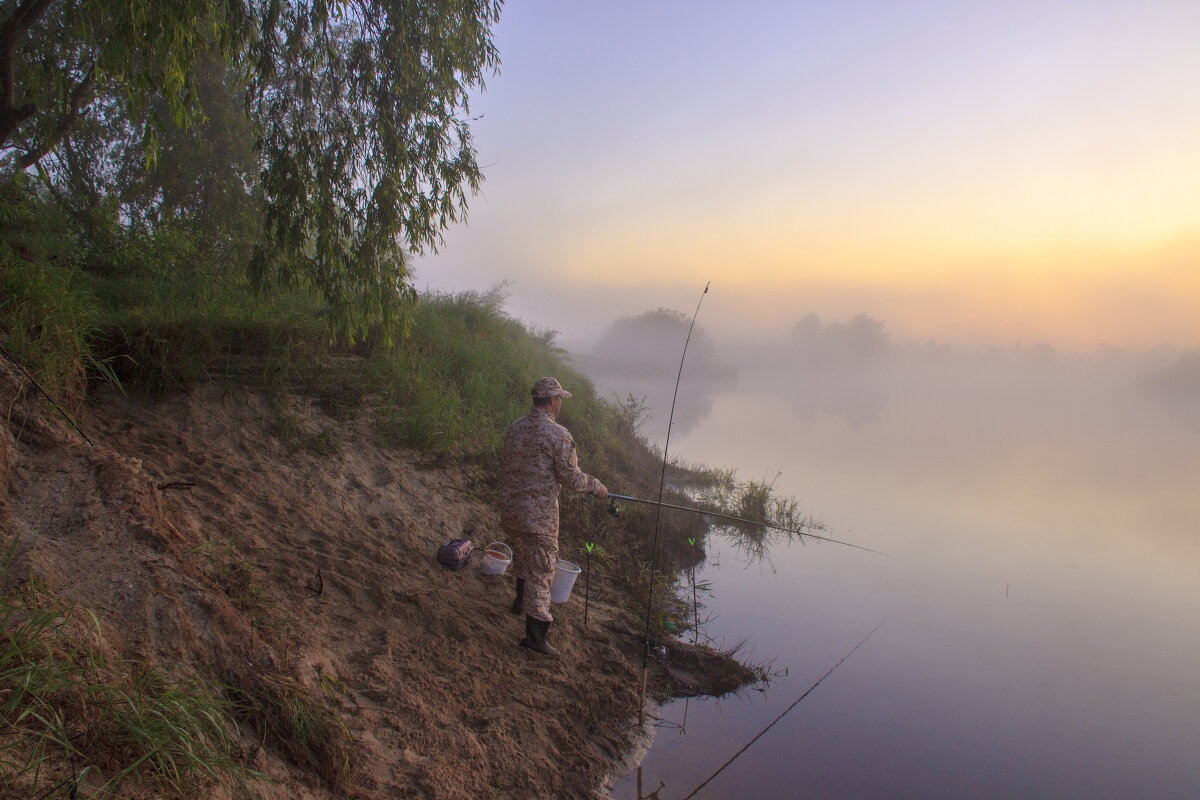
548 387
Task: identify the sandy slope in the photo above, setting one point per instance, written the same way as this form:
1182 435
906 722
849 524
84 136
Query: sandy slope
223 576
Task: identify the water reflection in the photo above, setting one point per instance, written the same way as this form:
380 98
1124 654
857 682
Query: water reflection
1041 515
652 795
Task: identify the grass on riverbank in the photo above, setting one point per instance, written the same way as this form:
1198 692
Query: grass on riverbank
73 720
448 389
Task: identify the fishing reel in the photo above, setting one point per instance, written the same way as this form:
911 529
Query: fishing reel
613 508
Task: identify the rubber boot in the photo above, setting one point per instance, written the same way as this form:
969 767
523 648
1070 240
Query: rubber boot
535 637
518 604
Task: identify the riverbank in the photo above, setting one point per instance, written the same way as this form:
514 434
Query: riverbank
282 551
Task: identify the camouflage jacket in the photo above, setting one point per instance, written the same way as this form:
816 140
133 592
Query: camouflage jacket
538 456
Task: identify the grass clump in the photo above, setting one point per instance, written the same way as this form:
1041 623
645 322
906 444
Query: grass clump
44 325
46 312
462 375
71 718
296 721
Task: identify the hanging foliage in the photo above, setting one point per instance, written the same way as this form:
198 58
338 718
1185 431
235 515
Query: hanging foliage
358 110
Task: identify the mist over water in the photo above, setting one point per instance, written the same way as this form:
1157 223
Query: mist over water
637 359
1042 522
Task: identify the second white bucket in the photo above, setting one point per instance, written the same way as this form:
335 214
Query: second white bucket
564 579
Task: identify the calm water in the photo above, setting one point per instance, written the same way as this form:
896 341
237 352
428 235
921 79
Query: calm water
1041 599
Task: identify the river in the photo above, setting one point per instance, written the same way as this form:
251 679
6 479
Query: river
1035 618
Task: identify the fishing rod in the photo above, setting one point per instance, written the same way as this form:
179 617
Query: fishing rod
662 480
799 699
615 510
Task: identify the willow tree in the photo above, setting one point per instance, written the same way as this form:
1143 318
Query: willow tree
360 108
57 57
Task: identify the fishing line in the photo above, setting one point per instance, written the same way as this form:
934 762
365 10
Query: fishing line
785 711
658 514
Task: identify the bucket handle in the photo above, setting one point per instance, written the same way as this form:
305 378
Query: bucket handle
495 547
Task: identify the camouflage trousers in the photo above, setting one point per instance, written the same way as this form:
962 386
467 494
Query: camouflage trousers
535 559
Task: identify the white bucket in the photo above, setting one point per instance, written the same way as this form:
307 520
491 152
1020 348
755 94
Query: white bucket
495 558
564 579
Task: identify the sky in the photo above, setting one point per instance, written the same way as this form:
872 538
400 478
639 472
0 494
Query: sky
975 172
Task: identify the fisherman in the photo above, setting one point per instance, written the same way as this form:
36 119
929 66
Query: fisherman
538 456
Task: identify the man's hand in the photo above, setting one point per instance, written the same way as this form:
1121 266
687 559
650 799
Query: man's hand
600 492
